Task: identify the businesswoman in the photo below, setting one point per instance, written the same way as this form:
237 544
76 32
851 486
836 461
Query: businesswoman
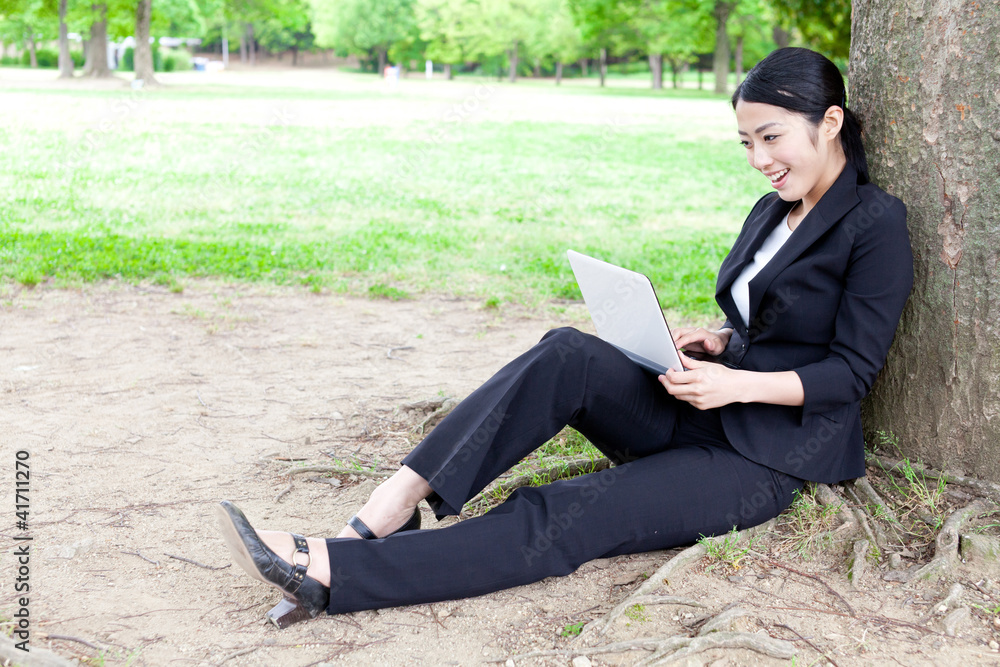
812 291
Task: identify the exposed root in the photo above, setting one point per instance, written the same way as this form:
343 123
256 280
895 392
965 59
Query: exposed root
544 476
829 498
946 543
599 626
36 657
775 648
337 470
670 649
857 567
989 489
438 409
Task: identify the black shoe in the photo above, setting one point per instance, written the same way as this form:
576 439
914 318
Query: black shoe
366 533
304 596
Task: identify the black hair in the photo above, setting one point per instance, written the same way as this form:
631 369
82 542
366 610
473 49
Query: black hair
807 83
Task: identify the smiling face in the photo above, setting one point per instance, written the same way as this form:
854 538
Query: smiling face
801 160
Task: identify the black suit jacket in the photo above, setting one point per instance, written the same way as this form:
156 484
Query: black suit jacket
826 306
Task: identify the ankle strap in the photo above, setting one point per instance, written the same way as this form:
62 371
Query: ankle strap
299 571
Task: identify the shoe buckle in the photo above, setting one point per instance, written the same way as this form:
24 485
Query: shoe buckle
295 559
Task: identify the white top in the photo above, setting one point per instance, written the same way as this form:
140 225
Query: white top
741 286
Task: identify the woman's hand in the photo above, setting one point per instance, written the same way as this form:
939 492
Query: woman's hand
704 385
701 340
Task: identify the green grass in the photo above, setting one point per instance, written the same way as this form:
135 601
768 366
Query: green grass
388 207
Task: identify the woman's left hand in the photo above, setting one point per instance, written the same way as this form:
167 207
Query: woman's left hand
704 385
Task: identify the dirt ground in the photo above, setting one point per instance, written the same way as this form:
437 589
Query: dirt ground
142 408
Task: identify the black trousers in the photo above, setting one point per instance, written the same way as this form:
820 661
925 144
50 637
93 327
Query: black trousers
677 478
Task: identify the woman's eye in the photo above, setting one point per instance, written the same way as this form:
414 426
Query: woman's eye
744 143
770 137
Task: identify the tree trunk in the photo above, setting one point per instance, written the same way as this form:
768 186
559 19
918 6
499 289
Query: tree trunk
97 45
926 91
32 52
604 66
656 67
251 46
583 68
512 76
65 59
381 62
243 46
143 55
447 72
720 60
700 77
558 73
781 37
739 59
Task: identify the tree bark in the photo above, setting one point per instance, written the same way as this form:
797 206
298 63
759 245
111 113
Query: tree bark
738 57
97 46
243 46
656 67
143 53
558 73
512 76
447 72
923 81
781 37
65 59
251 46
32 52
604 66
720 60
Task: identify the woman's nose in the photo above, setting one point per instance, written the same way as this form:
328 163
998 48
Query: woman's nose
760 158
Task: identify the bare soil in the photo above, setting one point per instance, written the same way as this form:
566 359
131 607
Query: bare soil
142 408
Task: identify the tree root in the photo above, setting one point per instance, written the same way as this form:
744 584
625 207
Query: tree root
337 470
37 657
438 409
946 543
714 634
988 489
544 476
599 626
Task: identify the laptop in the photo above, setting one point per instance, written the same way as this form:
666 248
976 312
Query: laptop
626 312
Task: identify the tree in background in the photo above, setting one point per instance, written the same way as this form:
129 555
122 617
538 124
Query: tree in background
143 51
65 59
923 80
562 38
672 31
441 24
823 25
26 21
604 26
363 27
96 48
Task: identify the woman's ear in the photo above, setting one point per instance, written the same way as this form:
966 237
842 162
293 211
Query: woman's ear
833 121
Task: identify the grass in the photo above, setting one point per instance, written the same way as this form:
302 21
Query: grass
390 198
729 551
806 524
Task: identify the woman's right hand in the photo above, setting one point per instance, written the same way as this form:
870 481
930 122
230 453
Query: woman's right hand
698 339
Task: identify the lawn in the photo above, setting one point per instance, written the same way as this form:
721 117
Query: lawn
327 179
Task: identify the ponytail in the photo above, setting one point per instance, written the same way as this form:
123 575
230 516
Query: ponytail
854 150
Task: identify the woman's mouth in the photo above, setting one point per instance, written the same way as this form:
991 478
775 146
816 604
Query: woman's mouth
778 178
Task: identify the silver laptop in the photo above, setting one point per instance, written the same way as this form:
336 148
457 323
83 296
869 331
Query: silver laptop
626 312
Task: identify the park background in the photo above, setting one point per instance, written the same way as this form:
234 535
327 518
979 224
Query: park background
285 258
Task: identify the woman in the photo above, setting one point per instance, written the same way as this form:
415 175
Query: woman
812 290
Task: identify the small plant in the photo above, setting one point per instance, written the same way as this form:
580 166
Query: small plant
805 521
726 551
383 291
573 629
492 303
637 613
